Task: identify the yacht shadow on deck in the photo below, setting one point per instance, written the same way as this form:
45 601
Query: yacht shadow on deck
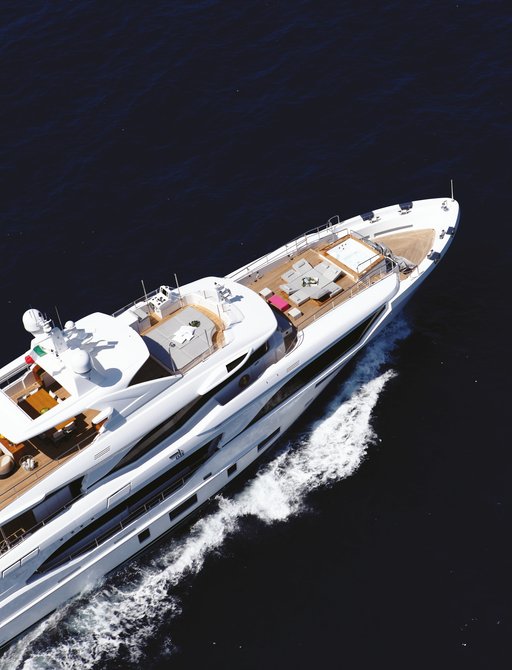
82 435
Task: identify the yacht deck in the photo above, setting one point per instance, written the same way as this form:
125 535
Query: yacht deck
268 282
179 340
49 450
47 455
183 338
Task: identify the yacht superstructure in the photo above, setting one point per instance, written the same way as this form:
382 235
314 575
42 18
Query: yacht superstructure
115 428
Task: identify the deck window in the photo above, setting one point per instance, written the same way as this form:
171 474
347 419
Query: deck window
268 439
132 507
235 363
178 511
320 363
160 433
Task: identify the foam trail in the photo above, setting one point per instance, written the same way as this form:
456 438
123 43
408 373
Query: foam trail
115 622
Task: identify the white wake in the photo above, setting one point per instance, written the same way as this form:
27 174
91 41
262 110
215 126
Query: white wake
114 622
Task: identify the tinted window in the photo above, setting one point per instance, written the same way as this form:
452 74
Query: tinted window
320 363
173 514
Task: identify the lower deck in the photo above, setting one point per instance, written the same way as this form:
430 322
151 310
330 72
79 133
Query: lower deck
34 458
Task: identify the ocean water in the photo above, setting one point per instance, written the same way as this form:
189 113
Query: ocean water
144 140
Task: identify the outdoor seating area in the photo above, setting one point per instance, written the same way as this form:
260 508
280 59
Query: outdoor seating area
305 281
181 339
309 283
40 400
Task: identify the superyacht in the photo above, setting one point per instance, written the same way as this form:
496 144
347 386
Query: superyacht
116 428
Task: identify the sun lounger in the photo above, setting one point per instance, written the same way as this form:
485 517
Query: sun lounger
321 293
328 270
302 266
299 297
290 276
334 289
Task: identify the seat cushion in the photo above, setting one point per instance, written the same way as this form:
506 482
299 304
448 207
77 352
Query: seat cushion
302 266
299 297
6 465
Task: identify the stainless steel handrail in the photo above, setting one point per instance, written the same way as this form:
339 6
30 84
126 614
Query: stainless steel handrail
144 299
146 507
293 247
14 375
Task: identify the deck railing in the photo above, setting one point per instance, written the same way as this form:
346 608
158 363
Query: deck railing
14 376
143 299
146 507
334 228
372 277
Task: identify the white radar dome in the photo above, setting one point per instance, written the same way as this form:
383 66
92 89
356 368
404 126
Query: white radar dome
80 361
33 321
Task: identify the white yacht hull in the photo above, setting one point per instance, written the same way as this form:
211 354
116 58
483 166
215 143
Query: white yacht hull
34 602
24 606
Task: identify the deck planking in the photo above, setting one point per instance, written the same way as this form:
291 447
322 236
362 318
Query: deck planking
311 309
413 245
48 456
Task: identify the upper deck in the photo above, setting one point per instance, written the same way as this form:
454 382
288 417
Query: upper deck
59 402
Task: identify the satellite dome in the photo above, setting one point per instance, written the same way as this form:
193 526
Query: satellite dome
80 361
33 321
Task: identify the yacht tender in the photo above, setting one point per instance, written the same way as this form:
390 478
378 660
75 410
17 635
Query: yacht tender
115 428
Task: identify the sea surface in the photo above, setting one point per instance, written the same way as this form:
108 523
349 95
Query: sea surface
144 140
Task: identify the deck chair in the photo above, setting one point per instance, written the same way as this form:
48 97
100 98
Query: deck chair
302 266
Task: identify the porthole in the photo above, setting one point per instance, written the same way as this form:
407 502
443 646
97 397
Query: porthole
244 381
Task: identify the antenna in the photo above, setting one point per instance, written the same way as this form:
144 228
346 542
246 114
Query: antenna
451 186
144 289
177 285
58 317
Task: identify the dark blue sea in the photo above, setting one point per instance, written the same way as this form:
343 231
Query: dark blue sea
140 140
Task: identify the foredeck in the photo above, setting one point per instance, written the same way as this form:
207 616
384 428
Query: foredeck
269 281
413 245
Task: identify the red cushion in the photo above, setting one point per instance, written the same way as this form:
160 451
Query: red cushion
279 302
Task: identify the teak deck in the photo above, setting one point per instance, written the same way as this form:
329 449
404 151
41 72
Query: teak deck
47 454
413 245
